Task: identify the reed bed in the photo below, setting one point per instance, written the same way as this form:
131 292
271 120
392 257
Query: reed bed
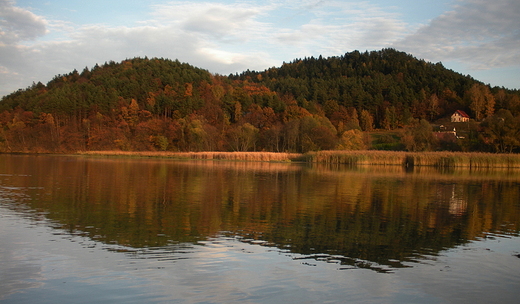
354 158
385 158
412 159
233 156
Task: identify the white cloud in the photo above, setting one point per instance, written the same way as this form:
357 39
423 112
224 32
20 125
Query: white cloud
234 36
209 35
226 22
481 34
339 27
17 24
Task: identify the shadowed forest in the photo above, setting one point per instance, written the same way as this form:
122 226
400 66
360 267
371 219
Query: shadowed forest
381 100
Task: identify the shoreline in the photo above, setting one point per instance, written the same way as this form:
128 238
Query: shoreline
230 156
361 157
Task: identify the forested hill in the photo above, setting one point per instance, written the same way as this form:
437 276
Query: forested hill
367 80
308 104
107 87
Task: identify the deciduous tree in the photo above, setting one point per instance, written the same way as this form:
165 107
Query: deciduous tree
482 102
351 140
419 136
502 131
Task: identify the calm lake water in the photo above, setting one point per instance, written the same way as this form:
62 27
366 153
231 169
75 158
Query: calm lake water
101 230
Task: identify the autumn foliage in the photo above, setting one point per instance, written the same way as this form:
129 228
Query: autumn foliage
310 104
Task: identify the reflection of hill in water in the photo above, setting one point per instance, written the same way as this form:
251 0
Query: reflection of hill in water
359 216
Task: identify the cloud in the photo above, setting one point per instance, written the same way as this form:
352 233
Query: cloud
220 37
338 27
212 36
224 22
228 37
220 21
18 24
481 34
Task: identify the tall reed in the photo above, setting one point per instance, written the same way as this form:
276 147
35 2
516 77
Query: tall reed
412 159
370 157
235 156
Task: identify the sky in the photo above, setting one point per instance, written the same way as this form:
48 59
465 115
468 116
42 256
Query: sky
40 39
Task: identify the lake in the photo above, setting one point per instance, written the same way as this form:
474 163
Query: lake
102 230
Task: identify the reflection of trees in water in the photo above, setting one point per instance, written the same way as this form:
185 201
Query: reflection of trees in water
365 217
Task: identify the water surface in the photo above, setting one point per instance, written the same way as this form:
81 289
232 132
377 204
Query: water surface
76 229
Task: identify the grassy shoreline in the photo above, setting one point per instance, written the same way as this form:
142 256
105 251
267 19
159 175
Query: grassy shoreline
232 156
413 159
368 157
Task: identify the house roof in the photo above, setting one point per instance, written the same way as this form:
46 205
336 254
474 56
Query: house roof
461 113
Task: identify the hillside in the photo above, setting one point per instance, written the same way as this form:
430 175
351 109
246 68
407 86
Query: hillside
308 104
371 81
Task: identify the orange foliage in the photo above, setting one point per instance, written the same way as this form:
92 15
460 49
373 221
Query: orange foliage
255 89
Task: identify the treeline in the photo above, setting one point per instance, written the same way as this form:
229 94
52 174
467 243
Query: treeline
309 104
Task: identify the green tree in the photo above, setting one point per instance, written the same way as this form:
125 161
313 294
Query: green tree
502 131
352 140
419 136
243 137
316 133
390 118
160 142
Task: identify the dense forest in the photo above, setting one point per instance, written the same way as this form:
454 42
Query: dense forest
373 100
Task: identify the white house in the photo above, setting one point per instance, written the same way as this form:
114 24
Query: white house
459 116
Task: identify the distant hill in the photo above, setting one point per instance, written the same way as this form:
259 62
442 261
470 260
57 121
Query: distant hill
307 104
